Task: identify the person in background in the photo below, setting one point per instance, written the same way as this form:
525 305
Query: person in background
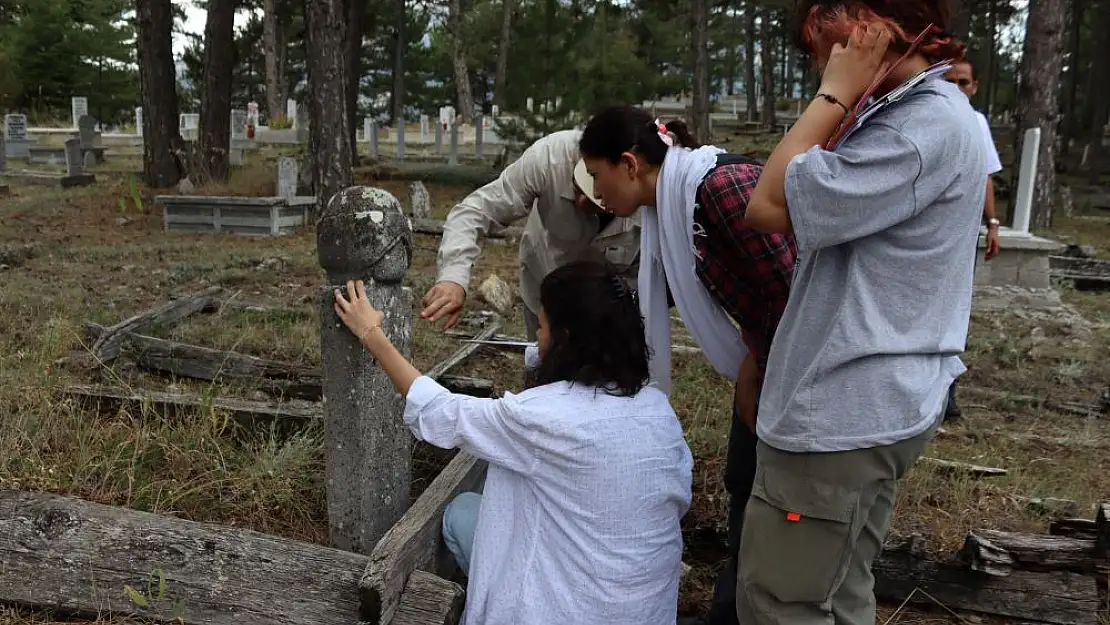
722 274
962 75
548 185
589 474
885 215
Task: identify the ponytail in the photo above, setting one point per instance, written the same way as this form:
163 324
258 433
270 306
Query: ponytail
621 129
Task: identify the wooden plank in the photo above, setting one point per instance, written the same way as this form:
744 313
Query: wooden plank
1063 597
972 470
435 227
1102 529
1074 528
77 557
415 542
249 413
1001 553
108 345
464 352
429 600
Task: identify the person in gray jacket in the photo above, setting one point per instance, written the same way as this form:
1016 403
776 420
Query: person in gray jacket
549 185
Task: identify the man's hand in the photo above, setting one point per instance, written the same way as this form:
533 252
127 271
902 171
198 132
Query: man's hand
748 383
444 300
992 243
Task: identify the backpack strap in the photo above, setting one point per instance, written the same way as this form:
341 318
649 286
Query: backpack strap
726 158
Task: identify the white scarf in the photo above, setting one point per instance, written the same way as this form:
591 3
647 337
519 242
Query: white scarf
667 256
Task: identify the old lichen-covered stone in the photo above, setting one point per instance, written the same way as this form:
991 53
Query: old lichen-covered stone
363 234
497 293
420 202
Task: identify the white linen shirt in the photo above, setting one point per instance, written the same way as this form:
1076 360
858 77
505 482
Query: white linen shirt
580 516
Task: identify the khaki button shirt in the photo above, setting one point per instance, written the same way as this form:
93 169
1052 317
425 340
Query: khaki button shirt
539 185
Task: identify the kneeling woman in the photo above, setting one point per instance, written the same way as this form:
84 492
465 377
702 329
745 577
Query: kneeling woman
589 474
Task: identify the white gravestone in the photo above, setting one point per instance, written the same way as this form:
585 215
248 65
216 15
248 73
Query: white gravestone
425 129
139 120
15 131
1027 180
252 114
75 166
447 116
529 104
287 177
367 123
79 106
238 124
291 111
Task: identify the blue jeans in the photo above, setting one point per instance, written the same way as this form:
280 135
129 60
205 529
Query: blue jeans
460 520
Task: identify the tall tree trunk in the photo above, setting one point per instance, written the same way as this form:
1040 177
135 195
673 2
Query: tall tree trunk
397 95
1098 100
500 77
1041 67
215 110
275 98
992 58
329 138
750 89
961 19
458 59
163 148
356 12
700 117
1072 117
767 60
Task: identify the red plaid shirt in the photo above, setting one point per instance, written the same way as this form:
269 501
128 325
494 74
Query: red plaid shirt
746 271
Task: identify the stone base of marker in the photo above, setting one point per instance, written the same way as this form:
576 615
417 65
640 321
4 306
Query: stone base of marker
40 179
1022 261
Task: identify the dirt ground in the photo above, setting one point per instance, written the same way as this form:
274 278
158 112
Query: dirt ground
77 255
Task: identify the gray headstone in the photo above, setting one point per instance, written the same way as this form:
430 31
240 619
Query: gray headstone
3 153
420 202
1027 179
374 140
86 125
453 156
15 132
366 123
139 120
89 159
363 234
439 138
425 129
287 177
302 126
479 130
401 139
238 124
75 166
235 156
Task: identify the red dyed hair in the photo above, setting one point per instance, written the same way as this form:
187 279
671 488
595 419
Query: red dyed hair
823 23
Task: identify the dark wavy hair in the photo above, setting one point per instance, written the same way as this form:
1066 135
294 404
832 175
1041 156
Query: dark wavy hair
817 20
620 129
596 331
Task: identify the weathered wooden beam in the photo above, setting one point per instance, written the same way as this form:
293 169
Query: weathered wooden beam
464 352
248 413
275 377
1073 528
77 557
435 227
1102 529
1001 553
108 345
972 470
1062 598
677 349
429 600
415 542
1080 409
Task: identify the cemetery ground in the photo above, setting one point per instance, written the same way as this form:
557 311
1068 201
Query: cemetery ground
67 257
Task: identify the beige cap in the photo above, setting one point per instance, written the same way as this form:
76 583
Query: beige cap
585 182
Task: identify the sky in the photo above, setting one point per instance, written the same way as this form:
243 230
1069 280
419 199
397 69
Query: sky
194 23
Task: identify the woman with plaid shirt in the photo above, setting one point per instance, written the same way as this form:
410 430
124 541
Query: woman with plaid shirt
694 200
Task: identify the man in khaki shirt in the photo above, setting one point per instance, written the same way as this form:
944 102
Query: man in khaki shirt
565 224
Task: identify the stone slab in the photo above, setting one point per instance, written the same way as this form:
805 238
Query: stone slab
51 180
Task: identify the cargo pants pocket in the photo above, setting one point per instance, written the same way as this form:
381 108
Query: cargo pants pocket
798 538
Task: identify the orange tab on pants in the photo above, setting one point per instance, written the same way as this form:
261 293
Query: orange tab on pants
793 517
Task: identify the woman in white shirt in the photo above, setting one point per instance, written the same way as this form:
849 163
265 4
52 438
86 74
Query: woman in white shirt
589 474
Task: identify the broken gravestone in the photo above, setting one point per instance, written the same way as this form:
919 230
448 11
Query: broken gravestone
287 177
363 234
420 202
497 293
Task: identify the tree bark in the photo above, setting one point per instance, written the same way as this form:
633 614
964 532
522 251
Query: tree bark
397 97
767 60
1072 118
275 98
961 19
992 58
700 117
163 147
214 140
1099 101
750 90
500 77
356 13
458 58
329 137
1038 96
